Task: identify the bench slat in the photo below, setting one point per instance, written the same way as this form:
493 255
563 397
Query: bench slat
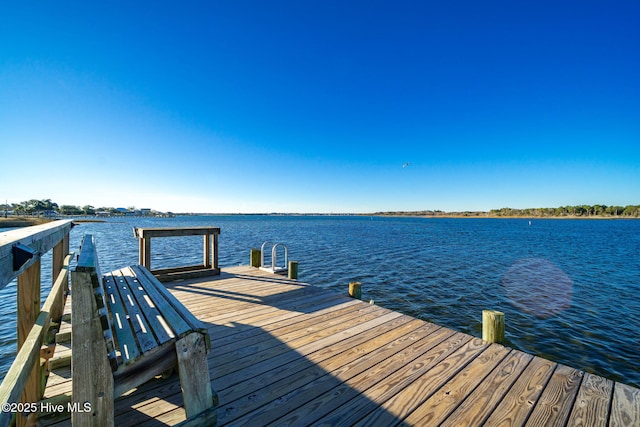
149 306
174 318
139 325
105 322
88 263
126 341
196 325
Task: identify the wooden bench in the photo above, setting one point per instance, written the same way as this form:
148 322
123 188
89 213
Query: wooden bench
128 328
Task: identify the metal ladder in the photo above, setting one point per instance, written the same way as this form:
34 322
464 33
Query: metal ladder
274 252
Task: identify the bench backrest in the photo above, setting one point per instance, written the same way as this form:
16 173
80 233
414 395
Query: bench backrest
88 263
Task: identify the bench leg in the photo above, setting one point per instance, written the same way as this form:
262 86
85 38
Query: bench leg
194 374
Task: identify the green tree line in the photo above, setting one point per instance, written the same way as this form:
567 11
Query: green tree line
578 211
46 207
632 211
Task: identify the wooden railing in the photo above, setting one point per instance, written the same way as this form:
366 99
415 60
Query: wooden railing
209 265
20 254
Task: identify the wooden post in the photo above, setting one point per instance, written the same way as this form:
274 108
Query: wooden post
215 252
28 311
146 242
57 308
255 258
355 290
197 396
58 263
58 260
28 300
65 250
92 378
493 326
140 251
293 270
207 251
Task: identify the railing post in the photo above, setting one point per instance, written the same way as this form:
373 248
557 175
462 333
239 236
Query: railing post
140 251
28 310
59 253
57 260
207 251
28 300
215 251
146 248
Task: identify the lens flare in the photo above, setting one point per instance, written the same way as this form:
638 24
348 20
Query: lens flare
538 286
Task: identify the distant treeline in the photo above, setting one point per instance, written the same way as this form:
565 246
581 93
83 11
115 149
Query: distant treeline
46 208
573 211
578 211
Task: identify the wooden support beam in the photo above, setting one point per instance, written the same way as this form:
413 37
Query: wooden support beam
57 260
28 311
140 251
58 263
215 265
208 259
196 388
28 300
146 242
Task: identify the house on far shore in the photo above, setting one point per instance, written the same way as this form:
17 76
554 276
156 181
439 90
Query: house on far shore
126 212
131 212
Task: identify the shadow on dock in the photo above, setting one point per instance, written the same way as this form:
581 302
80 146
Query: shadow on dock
260 378
266 356
289 299
287 353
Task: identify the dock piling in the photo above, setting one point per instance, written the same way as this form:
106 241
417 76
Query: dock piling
493 326
293 270
255 258
355 290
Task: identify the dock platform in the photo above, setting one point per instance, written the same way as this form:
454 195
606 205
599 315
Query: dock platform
289 353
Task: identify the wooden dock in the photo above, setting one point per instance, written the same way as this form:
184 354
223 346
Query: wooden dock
288 353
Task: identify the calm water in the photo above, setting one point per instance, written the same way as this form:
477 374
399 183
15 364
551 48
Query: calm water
569 288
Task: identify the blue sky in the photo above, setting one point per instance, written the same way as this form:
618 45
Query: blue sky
314 106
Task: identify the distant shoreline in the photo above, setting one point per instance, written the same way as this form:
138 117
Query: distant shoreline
45 210
526 217
16 222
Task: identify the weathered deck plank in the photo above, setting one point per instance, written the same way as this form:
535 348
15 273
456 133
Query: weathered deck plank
625 410
474 410
287 353
556 401
592 403
445 400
